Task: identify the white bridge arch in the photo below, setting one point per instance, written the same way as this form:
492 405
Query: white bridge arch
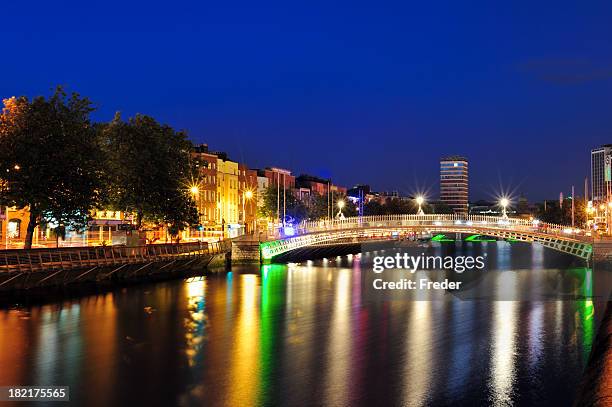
557 237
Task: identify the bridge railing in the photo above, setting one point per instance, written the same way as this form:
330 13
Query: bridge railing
90 256
496 222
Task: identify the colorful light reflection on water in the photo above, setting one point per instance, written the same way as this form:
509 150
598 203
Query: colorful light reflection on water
301 334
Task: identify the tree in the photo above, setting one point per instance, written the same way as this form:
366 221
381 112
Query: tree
180 213
50 160
294 209
438 207
149 168
319 207
554 213
390 207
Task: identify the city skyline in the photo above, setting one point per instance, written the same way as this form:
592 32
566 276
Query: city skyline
358 94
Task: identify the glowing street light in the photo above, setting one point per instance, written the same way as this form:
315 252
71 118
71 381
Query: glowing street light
340 206
195 191
246 195
504 202
420 200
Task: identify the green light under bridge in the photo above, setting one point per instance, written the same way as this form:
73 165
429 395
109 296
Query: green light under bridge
441 238
478 238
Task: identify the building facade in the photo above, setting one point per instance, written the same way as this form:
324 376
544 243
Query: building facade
247 196
601 159
318 186
454 186
279 177
227 192
262 184
206 191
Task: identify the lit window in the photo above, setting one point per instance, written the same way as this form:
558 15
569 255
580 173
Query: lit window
13 228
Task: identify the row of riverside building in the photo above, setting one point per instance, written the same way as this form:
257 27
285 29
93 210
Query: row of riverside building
227 195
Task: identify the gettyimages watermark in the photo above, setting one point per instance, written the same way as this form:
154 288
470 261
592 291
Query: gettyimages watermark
414 263
498 271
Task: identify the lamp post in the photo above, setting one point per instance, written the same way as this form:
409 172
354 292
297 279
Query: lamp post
195 191
340 206
420 200
504 202
248 194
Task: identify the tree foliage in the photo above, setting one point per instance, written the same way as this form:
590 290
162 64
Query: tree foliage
149 168
295 210
562 215
50 160
314 207
390 206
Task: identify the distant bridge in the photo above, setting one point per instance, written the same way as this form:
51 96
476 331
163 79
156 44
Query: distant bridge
565 239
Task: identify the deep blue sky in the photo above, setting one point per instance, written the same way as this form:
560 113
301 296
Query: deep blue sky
370 92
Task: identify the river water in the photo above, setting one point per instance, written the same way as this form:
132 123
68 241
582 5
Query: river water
301 334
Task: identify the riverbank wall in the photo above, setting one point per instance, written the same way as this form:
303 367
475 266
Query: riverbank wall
40 270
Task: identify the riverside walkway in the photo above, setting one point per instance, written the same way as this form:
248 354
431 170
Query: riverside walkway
36 267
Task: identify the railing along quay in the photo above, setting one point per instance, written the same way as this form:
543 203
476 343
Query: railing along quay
43 259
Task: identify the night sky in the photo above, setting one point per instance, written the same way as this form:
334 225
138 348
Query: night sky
364 92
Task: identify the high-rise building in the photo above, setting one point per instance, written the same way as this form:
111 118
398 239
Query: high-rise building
600 173
454 183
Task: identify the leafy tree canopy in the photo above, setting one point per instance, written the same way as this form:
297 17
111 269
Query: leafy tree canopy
50 160
149 168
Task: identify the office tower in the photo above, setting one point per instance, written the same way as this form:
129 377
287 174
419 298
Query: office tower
600 173
454 183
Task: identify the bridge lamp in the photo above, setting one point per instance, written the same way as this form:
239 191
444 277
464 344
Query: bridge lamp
504 202
420 200
340 206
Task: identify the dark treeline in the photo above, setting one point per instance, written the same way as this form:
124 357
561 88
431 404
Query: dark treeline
55 161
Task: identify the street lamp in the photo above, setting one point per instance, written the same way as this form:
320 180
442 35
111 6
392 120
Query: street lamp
504 202
340 206
420 200
248 194
195 191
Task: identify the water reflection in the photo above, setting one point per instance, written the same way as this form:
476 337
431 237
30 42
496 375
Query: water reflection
195 323
304 334
245 360
417 374
504 337
339 348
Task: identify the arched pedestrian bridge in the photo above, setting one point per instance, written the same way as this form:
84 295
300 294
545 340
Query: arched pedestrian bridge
557 237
